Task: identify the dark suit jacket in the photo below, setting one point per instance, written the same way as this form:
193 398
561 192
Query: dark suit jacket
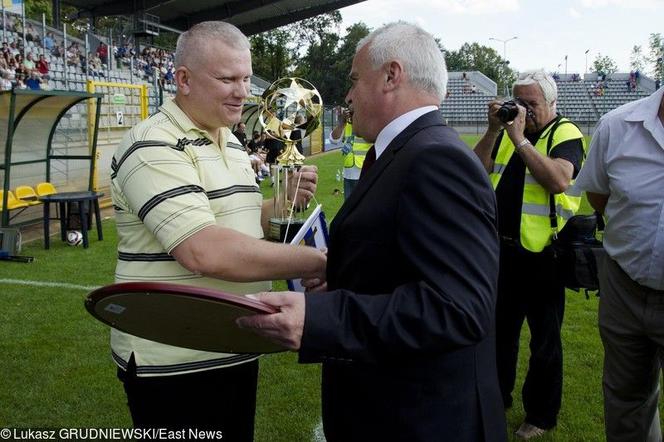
406 333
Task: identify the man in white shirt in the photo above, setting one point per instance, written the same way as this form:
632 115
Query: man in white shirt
624 179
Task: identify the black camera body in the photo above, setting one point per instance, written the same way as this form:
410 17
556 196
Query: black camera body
508 111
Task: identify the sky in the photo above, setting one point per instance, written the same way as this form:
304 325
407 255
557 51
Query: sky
546 31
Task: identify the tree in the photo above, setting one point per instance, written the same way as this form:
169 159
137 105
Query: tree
35 8
272 53
344 60
328 58
604 64
476 57
637 60
317 66
315 29
656 58
304 48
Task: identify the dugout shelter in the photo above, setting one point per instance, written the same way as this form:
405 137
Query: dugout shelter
31 154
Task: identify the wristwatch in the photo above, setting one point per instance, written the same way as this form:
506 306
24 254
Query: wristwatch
522 144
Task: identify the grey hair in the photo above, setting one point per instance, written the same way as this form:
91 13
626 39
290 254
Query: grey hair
423 60
196 37
545 81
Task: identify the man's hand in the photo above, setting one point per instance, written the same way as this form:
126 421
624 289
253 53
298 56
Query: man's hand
314 284
303 191
494 122
343 115
285 327
515 128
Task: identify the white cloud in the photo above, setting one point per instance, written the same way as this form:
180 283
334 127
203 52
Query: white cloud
628 4
574 13
471 7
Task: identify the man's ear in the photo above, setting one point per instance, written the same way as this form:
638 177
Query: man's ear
394 75
182 79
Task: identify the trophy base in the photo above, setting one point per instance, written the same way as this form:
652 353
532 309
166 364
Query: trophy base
278 229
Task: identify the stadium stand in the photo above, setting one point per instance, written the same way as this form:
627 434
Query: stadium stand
467 96
68 68
584 100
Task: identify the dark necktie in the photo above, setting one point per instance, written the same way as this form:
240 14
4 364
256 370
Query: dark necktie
369 159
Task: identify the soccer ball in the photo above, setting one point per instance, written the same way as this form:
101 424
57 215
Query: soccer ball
74 238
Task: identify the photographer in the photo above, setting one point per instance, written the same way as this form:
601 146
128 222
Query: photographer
531 153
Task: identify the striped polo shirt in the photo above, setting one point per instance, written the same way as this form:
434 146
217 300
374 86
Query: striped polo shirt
169 180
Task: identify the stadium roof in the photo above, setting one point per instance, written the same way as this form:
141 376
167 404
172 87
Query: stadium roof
251 16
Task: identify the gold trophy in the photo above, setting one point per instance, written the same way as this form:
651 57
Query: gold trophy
290 111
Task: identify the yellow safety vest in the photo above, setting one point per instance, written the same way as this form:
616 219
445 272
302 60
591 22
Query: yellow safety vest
535 229
355 158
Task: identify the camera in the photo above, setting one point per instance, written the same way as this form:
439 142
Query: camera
508 110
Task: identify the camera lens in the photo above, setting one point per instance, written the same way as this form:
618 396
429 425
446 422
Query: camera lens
508 111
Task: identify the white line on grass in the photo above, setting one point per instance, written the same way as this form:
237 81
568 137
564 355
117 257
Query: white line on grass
319 436
63 285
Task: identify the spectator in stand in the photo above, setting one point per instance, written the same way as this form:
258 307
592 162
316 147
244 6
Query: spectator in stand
29 63
73 58
5 83
95 67
33 81
102 52
466 83
12 66
58 50
121 53
30 34
599 89
13 49
4 67
49 41
170 72
20 83
20 66
42 67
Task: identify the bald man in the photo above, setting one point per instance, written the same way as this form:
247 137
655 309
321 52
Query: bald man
188 211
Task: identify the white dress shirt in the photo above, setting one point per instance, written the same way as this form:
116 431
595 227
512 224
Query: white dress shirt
626 162
398 125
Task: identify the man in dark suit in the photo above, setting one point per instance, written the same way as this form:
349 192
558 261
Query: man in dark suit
405 329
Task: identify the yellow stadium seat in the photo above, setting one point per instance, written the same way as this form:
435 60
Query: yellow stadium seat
44 189
27 195
12 202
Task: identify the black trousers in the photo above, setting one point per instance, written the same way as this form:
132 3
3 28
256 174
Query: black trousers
222 399
528 288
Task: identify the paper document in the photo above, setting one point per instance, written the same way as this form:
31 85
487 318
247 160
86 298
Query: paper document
312 233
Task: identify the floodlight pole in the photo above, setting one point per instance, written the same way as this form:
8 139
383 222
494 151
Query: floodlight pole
586 68
504 42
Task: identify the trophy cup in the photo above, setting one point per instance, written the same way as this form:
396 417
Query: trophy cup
290 111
